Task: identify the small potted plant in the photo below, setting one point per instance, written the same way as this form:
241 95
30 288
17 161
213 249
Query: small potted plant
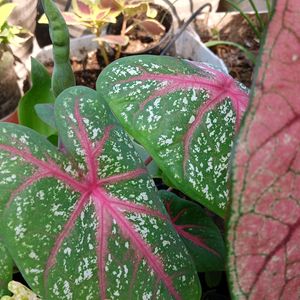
145 27
140 27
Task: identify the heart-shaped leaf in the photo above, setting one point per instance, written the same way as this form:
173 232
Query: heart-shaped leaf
6 269
40 92
185 115
198 231
264 226
89 224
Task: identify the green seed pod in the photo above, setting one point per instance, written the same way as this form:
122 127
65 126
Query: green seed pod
62 76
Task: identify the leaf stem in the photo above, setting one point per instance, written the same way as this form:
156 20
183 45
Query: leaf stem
148 160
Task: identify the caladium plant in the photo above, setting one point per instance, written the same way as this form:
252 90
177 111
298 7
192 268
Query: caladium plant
88 223
186 116
264 225
198 231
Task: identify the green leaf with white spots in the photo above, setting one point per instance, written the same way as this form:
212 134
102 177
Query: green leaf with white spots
88 224
6 269
185 114
200 234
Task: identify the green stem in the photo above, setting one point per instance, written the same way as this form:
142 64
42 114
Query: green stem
102 47
257 15
269 7
123 32
249 55
248 20
104 53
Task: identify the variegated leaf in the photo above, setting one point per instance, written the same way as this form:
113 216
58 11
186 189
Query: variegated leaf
185 114
88 224
6 269
198 231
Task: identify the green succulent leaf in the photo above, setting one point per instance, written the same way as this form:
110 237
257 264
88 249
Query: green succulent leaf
198 231
39 93
88 224
6 269
184 114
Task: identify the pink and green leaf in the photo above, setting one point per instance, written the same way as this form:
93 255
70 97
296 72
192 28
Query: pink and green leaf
186 117
264 225
198 231
82 7
71 18
88 224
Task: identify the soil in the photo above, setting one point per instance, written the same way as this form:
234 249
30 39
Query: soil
238 31
86 71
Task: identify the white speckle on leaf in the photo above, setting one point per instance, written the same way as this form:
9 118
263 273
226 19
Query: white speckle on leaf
192 119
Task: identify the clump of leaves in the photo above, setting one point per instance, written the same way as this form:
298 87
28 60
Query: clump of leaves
186 115
95 15
130 10
91 15
88 223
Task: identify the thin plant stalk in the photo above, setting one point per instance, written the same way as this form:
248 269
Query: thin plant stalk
257 15
102 48
251 24
103 53
123 31
269 7
249 55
